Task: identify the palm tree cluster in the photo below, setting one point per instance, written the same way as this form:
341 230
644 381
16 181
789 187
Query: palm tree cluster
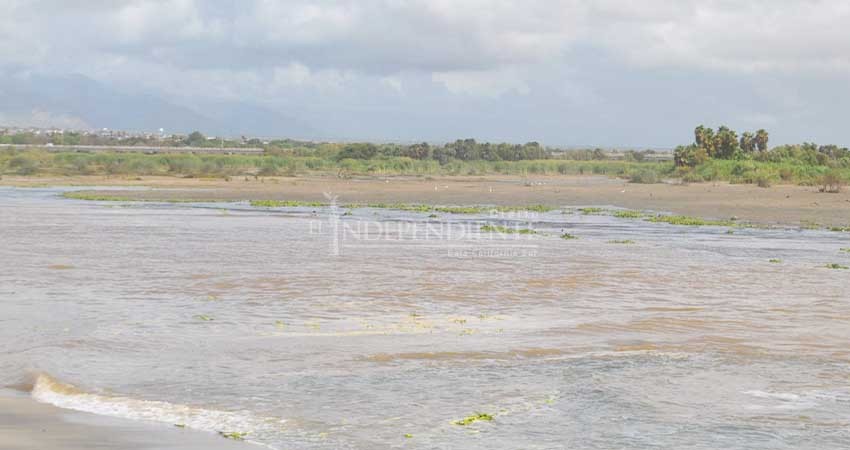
721 144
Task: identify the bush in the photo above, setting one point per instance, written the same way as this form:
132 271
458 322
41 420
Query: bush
644 176
831 182
24 165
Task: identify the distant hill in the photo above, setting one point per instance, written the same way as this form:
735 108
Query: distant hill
80 102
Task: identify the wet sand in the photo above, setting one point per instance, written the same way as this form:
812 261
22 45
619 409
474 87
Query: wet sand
28 425
787 205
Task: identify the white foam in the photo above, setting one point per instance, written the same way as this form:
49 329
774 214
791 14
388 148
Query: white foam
48 390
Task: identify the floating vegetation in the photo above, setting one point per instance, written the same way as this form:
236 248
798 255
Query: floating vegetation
839 229
730 231
180 425
591 211
279 324
775 261
568 236
836 266
691 221
622 241
60 267
285 204
408 436
98 197
204 318
236 436
506 230
477 417
628 214
845 250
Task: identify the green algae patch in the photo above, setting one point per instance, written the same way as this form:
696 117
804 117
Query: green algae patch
836 266
775 261
622 241
233 435
568 236
477 417
408 436
204 318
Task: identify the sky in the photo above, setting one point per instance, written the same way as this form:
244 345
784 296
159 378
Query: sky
640 73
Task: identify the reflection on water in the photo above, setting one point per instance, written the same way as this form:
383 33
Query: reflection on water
227 318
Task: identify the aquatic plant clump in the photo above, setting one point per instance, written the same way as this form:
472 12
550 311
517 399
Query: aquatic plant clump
568 236
622 241
477 417
506 230
233 435
837 266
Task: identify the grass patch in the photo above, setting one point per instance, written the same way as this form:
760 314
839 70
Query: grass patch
285 204
98 197
836 266
628 214
839 229
691 221
506 230
204 318
622 241
775 261
845 250
477 417
591 211
568 236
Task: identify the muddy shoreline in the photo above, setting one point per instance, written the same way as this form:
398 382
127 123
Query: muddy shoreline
782 205
29 425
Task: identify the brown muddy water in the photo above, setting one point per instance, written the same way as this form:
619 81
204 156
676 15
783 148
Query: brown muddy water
316 328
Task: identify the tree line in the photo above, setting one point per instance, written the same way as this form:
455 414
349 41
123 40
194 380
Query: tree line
461 149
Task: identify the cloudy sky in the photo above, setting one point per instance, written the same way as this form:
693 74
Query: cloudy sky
563 72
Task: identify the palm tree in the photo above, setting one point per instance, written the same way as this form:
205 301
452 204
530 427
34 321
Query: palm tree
761 140
748 142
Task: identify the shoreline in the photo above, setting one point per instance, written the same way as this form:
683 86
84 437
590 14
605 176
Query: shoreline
788 205
26 424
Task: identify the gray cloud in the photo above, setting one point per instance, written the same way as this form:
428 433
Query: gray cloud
360 62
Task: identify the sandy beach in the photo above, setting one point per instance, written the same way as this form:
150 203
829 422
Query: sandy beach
785 204
28 425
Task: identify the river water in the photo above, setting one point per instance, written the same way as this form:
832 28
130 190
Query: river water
317 328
